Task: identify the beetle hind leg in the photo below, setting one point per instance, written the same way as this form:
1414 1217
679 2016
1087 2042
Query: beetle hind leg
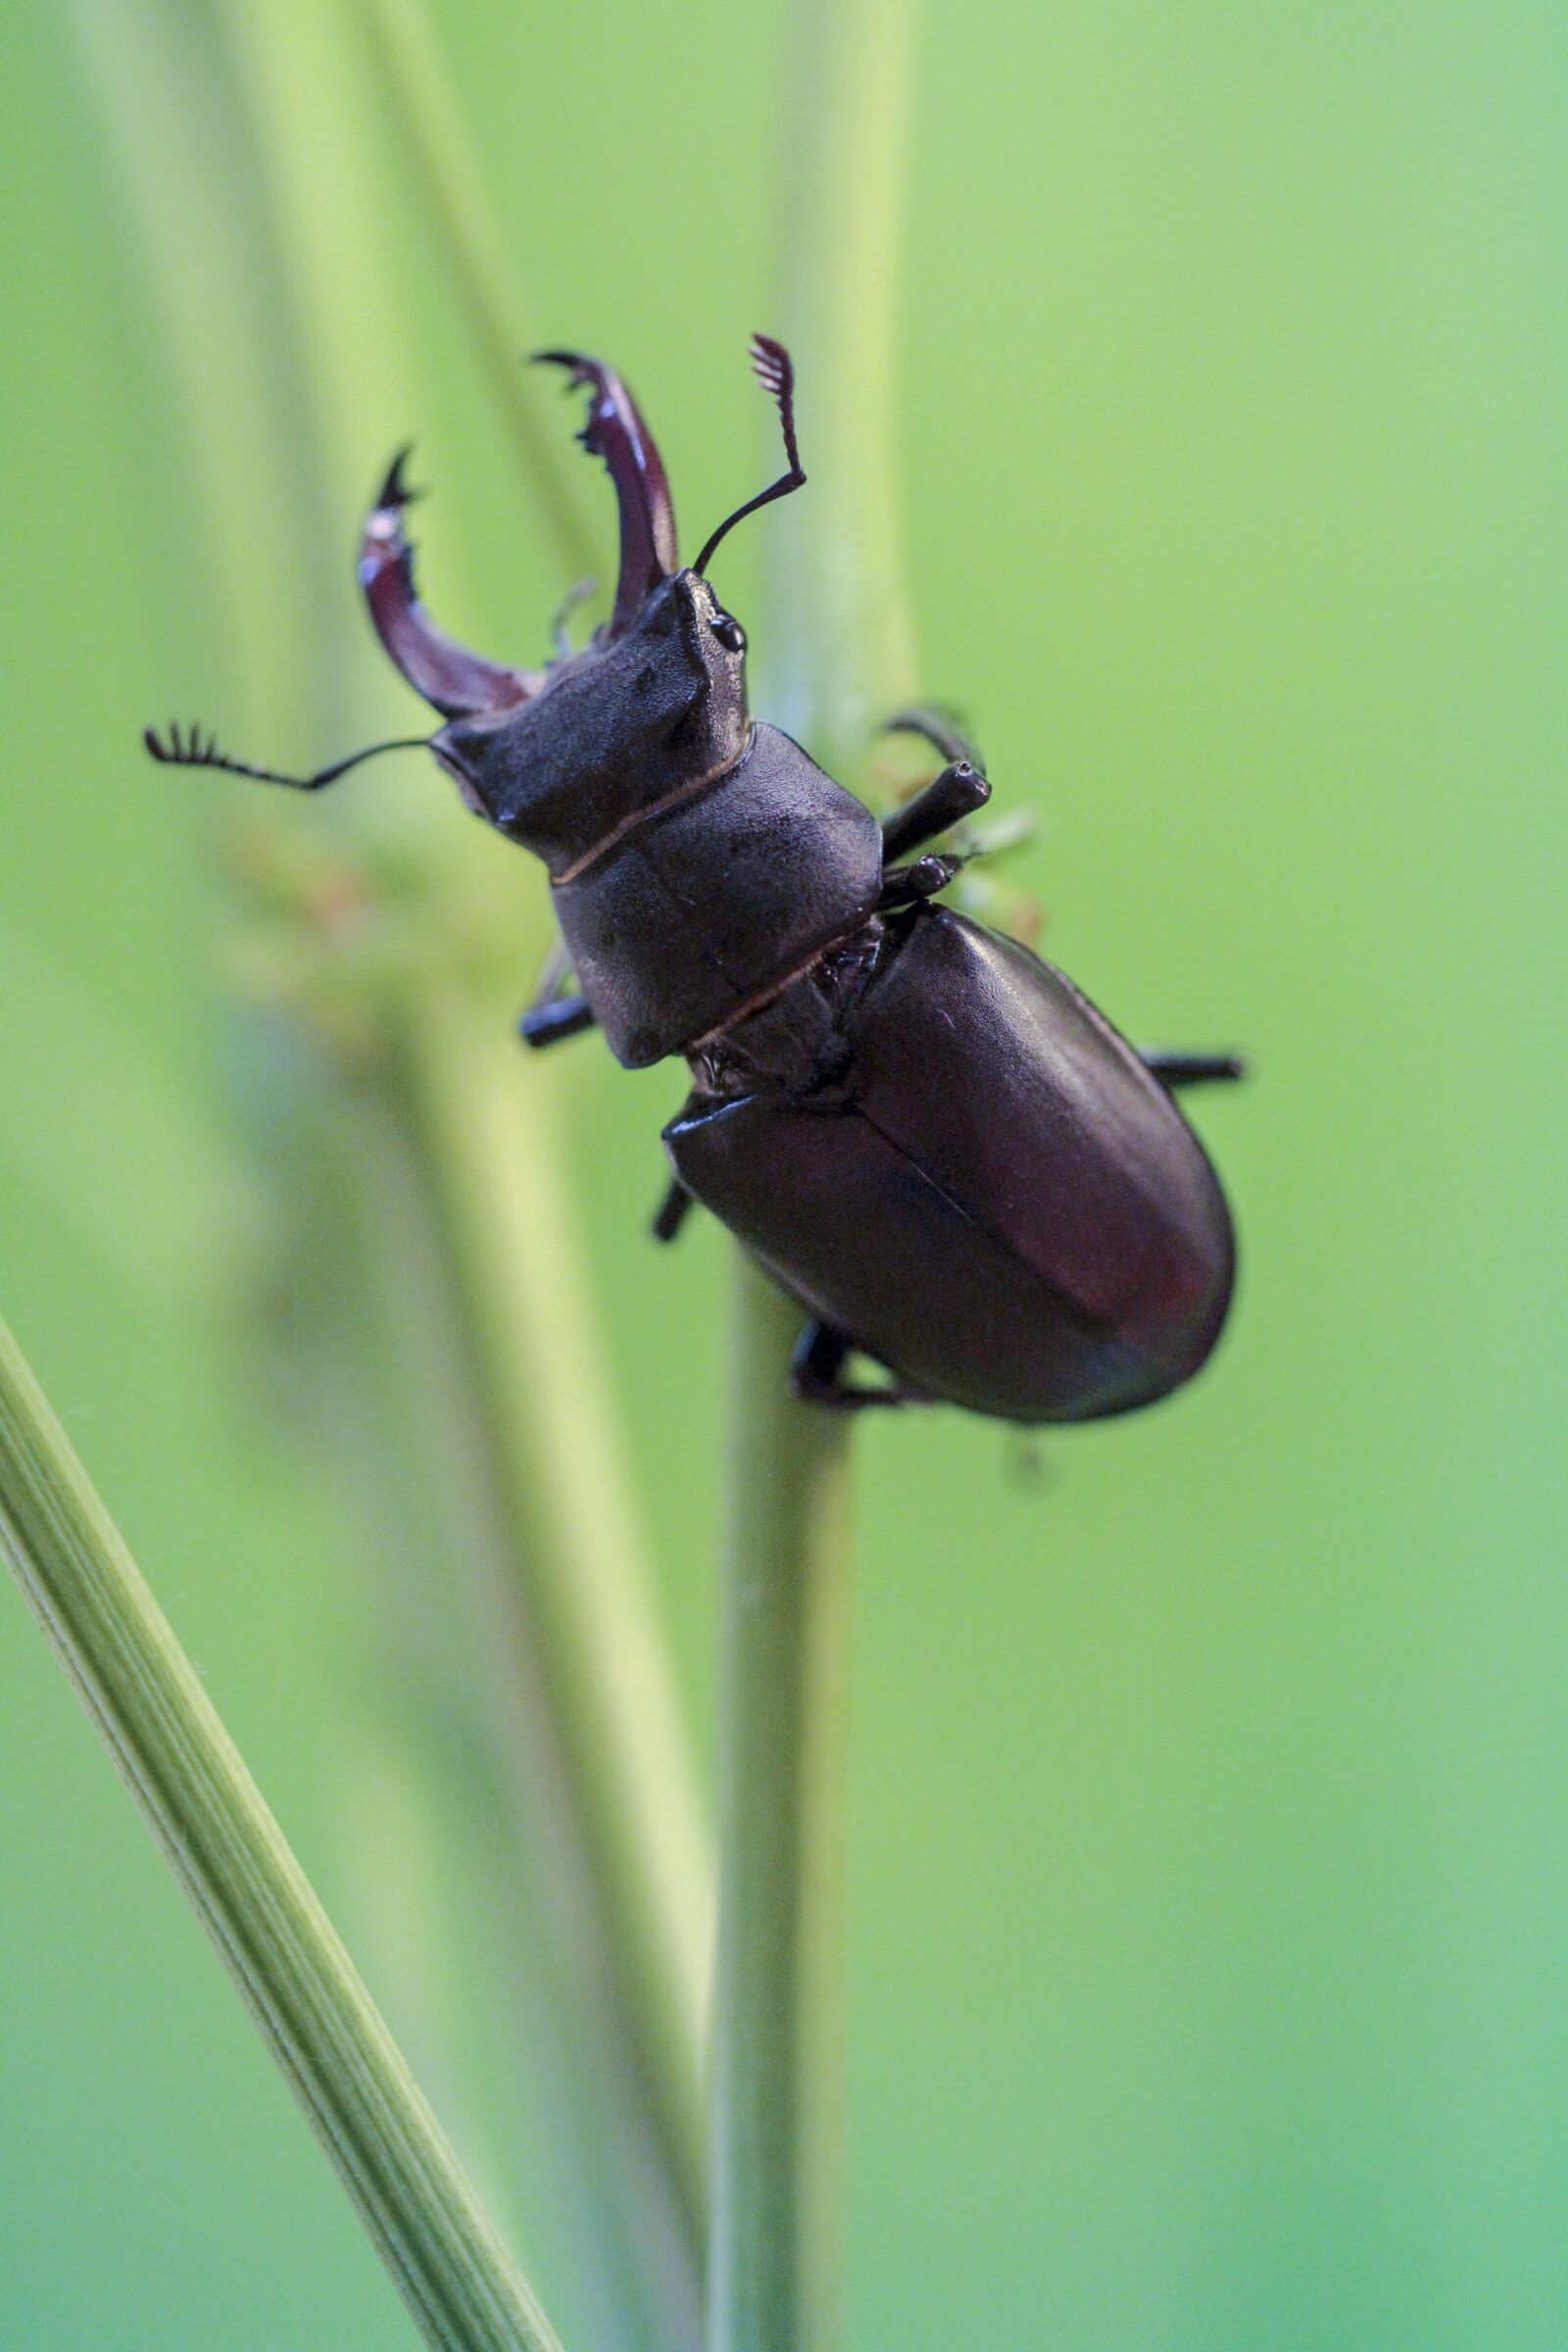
1191 1069
816 1372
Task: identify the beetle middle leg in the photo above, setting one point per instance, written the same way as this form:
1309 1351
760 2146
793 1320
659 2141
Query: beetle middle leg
816 1372
906 885
563 1017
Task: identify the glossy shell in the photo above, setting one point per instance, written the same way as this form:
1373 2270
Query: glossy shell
997 1202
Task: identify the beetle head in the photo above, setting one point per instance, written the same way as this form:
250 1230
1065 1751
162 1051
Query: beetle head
617 432
559 759
618 727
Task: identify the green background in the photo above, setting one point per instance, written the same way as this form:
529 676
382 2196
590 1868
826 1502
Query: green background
1208 1950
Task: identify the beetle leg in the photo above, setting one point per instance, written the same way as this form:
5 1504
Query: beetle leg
905 885
956 793
553 972
817 1371
552 1015
939 729
458 683
562 1016
672 1211
560 619
1190 1069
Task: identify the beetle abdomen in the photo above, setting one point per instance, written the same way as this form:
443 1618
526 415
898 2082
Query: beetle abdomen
1003 1206
703 904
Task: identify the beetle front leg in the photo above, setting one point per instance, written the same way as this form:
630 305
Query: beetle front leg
956 793
908 885
941 731
563 1017
816 1373
553 1016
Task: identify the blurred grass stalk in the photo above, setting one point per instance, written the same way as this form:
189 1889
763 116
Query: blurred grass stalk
148 1705
484 1124
840 653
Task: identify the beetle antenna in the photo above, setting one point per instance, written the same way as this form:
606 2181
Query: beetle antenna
187 746
774 370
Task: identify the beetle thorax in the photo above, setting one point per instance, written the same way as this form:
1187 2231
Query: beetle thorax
616 730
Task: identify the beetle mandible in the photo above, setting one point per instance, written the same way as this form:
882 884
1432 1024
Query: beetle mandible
926 1134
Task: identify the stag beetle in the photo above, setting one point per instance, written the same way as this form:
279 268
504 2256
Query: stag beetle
923 1132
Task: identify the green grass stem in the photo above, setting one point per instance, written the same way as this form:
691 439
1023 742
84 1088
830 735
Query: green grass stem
165 1737
777 2056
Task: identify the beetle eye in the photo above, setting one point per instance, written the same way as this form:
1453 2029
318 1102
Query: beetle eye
729 632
